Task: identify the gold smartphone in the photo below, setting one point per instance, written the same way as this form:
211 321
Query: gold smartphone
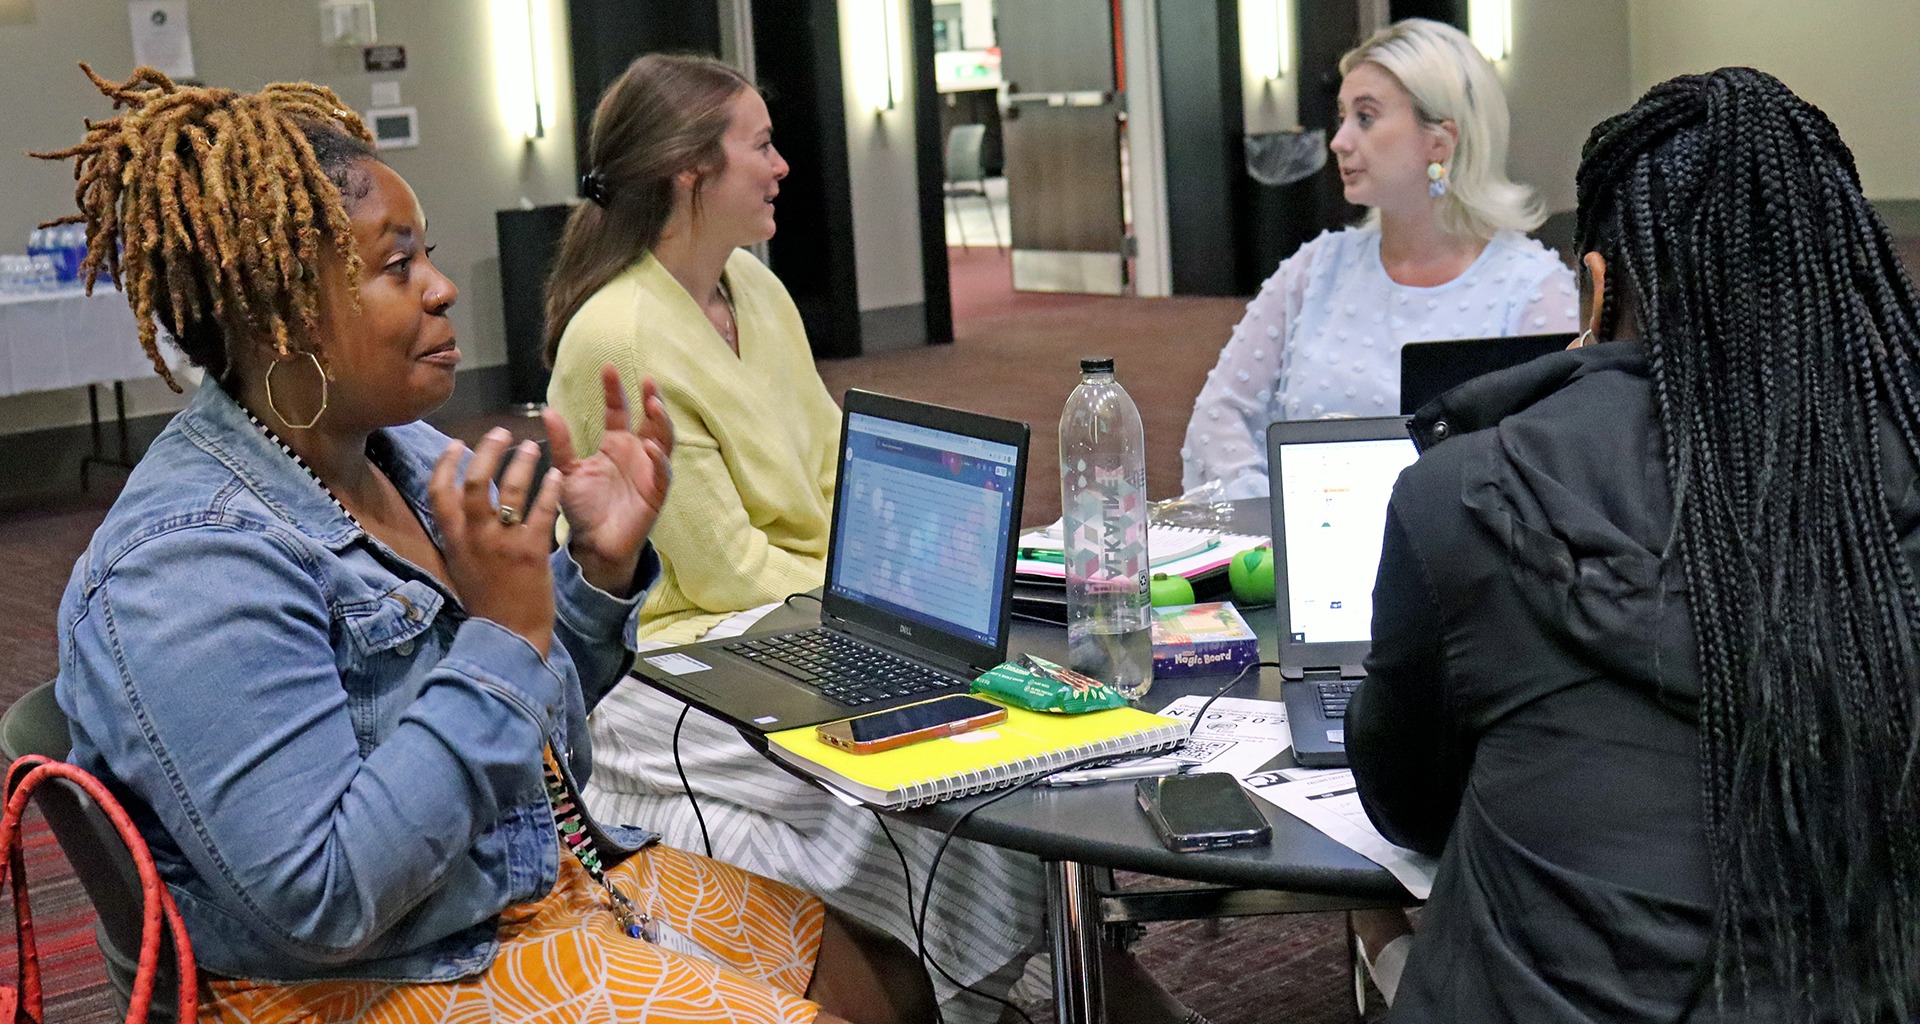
930 719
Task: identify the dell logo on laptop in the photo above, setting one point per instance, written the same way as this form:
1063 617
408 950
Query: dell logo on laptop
905 630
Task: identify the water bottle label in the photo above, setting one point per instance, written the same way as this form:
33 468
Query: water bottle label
1107 530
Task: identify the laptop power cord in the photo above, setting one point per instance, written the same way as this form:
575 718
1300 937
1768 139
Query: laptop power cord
706 841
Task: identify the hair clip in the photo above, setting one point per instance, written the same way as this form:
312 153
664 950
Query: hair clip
594 187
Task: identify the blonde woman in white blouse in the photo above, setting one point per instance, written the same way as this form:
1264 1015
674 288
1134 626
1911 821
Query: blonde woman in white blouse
1442 254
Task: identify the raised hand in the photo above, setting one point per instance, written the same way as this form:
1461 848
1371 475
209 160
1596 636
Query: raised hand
612 497
496 554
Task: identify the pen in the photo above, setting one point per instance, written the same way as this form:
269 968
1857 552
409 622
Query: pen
1043 555
1145 769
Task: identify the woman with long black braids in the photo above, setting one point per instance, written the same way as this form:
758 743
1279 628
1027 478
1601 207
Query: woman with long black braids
1645 670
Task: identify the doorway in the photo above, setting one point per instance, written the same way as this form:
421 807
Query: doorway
1029 138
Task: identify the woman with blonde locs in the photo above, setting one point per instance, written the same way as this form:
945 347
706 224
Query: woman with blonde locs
357 760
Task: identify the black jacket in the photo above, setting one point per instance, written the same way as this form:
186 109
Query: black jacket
1530 708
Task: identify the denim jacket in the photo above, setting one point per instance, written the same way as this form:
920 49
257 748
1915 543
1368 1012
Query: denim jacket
338 770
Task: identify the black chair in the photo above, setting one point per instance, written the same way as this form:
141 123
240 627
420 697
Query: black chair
966 176
36 725
1556 233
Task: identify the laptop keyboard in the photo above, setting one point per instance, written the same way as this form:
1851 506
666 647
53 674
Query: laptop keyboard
1334 694
842 668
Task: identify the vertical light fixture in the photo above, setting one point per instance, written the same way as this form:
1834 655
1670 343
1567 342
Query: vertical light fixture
1490 25
1269 45
521 42
875 54
536 15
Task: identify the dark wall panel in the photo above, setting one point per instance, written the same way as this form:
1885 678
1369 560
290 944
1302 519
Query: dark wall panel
797 59
1207 183
607 35
930 169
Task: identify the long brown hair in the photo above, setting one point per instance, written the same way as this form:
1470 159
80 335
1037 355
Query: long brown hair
666 114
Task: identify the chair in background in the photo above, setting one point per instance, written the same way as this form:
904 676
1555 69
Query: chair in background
36 725
967 176
1556 233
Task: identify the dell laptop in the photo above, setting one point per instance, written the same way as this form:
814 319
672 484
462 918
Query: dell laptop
1330 481
1429 369
919 590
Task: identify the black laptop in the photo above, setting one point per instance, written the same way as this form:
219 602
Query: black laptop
1330 481
919 589
1429 369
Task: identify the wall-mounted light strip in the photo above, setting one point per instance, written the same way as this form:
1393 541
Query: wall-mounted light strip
1269 46
876 54
522 43
1490 25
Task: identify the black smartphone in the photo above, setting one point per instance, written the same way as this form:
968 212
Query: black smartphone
1208 811
929 719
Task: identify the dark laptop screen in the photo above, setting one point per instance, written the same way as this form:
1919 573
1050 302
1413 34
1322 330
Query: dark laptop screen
1429 369
923 522
1334 494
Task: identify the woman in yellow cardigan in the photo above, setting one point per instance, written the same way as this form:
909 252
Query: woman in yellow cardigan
651 277
756 431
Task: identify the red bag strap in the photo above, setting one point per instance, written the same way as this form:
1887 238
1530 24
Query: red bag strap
22 777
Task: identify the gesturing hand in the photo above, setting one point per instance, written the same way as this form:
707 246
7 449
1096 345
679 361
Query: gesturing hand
612 497
497 555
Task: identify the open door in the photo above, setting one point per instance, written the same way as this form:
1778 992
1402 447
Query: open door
1062 135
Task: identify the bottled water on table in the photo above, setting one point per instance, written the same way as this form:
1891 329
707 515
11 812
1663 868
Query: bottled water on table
1103 501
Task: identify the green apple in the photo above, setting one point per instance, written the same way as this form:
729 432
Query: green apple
1251 575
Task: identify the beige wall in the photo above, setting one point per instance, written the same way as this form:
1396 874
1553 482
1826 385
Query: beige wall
469 162
880 160
1568 70
1859 61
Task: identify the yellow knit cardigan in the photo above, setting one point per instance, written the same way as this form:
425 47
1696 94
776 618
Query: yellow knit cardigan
755 437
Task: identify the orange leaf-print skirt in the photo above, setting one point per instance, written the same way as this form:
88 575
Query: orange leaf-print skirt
733 947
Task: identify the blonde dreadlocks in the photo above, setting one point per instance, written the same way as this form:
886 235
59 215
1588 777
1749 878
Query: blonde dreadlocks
209 207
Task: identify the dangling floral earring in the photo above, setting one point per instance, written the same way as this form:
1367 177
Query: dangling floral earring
289 424
1436 179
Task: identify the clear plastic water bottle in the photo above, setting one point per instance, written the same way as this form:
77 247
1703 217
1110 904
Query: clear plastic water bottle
1103 500
40 243
73 251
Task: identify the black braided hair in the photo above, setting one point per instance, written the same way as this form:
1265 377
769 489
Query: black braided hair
1782 335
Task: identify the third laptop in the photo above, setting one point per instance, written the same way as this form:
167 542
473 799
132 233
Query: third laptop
1329 481
919 589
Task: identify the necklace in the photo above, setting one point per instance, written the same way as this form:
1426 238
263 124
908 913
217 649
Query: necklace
302 463
732 333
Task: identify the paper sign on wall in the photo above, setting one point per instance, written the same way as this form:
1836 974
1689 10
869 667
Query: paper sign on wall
160 36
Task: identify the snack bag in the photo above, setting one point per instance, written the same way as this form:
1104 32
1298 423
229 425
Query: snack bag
1040 685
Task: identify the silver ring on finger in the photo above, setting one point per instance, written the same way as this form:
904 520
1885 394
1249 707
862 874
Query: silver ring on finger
510 516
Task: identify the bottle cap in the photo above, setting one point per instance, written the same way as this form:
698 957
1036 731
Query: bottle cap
1101 364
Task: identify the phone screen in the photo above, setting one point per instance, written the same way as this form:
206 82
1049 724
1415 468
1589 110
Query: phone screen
915 717
1206 804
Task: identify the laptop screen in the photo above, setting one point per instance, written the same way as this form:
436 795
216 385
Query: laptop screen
1334 494
1429 369
922 525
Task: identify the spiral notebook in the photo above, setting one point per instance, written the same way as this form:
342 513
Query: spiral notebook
1175 550
1027 744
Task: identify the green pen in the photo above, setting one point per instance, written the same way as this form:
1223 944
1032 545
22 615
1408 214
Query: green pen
1044 555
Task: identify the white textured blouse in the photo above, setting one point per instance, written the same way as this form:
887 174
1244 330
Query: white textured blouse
1323 337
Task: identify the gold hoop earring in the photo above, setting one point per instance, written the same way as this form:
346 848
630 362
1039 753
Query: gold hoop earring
281 416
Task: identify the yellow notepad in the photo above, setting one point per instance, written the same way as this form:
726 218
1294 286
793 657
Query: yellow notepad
1028 743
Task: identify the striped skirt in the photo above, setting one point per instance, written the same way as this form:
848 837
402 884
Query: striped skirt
731 947
988 903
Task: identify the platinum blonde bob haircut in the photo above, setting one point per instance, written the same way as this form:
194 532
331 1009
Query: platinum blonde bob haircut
1450 81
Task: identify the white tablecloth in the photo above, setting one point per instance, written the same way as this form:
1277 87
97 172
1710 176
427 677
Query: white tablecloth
66 339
